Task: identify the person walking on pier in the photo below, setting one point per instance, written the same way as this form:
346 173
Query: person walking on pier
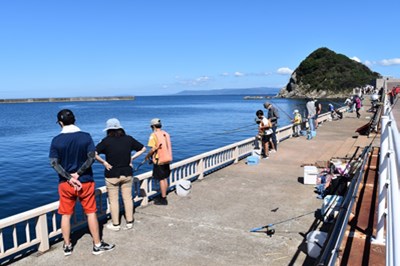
118 172
161 156
72 153
357 103
273 116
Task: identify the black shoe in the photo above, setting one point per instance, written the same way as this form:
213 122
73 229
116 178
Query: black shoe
68 249
103 247
160 201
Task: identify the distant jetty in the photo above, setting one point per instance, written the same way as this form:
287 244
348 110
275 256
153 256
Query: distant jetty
68 99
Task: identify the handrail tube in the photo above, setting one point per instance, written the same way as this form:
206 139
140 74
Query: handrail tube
28 214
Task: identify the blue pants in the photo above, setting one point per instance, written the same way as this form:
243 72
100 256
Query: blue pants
311 124
273 137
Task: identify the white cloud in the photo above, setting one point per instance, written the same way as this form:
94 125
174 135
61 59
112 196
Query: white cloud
284 71
389 62
249 74
194 82
239 74
355 58
202 79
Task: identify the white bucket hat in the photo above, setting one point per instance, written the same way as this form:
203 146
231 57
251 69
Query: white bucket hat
112 123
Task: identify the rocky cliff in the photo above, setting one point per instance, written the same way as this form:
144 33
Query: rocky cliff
326 74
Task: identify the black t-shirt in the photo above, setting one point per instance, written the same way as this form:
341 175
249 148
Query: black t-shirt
118 153
317 106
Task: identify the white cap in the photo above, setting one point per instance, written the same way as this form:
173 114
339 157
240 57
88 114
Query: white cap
295 111
155 122
112 123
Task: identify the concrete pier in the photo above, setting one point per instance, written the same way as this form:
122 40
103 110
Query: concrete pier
212 225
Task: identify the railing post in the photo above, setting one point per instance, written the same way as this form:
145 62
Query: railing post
200 169
236 154
383 174
42 233
144 187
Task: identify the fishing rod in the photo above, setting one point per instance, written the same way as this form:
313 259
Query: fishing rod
234 131
283 111
142 163
271 231
239 129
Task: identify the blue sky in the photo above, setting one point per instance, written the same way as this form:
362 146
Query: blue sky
66 48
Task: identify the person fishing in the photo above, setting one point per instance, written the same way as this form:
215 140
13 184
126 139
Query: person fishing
265 131
273 116
318 109
297 120
161 155
311 114
335 113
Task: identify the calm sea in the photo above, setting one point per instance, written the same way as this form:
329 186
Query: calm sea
196 124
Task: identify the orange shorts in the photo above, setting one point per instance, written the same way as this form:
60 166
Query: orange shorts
68 197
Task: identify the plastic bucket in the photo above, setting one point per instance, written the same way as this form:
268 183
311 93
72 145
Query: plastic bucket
253 160
315 242
183 188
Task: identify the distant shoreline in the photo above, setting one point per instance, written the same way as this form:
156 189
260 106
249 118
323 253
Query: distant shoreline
68 99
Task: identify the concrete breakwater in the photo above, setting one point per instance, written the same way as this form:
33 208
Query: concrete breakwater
68 99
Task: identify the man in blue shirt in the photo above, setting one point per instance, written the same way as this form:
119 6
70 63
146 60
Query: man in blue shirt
72 153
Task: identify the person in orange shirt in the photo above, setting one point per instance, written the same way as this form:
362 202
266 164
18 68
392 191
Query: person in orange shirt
161 156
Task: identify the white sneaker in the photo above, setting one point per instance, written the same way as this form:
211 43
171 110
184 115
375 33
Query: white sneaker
113 227
129 225
272 151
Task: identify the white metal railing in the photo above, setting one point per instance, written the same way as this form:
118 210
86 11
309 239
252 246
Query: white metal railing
35 228
389 190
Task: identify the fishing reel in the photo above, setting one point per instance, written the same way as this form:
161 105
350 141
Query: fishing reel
267 229
270 231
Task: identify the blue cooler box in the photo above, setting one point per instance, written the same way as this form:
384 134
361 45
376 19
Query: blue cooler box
253 160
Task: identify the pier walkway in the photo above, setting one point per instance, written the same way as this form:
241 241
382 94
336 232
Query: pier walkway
211 226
